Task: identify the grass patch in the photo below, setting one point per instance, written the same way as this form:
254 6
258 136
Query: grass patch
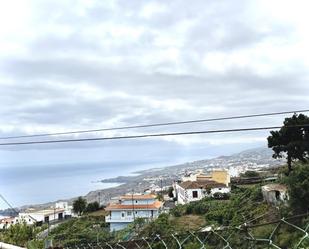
188 222
98 213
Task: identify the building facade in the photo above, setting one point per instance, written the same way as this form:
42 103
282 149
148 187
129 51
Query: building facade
60 211
44 216
6 223
187 192
219 176
196 187
275 194
129 207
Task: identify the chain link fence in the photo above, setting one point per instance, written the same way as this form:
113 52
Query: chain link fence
275 234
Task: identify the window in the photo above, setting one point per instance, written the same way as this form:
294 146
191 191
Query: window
122 214
136 201
129 213
194 194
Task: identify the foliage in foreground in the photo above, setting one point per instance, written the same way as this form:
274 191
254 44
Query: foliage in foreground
298 187
245 205
19 234
86 229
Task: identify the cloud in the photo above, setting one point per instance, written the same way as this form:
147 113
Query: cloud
69 65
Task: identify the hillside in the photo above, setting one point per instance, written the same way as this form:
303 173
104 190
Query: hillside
257 158
253 159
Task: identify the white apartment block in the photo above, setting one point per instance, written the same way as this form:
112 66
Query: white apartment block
129 207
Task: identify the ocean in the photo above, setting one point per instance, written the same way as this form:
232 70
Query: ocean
35 184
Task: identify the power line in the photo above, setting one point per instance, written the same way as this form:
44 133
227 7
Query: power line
5 200
150 135
16 212
156 124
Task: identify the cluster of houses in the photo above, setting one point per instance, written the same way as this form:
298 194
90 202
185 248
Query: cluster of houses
126 209
60 211
192 187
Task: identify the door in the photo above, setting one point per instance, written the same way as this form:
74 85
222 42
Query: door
60 216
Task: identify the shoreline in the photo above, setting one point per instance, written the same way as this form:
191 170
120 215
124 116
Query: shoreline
141 180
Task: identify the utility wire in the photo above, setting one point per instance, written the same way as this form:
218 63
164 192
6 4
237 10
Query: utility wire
151 135
156 124
15 211
5 200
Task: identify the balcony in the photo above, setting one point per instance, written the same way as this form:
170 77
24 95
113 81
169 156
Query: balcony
110 219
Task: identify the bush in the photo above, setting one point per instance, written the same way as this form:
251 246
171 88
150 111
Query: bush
221 196
199 207
250 173
79 230
178 211
93 206
160 226
298 188
19 234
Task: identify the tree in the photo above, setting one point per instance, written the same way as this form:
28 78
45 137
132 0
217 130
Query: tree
79 205
19 234
250 173
298 187
291 140
93 206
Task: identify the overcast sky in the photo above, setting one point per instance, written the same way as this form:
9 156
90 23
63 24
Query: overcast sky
73 64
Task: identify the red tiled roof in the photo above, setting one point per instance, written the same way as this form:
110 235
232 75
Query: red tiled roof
6 220
153 206
201 184
190 185
274 187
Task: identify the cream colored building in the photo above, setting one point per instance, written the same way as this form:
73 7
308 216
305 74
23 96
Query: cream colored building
219 176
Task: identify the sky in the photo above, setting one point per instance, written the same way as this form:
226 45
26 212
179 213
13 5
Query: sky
86 64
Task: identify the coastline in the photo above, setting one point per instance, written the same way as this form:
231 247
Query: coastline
141 180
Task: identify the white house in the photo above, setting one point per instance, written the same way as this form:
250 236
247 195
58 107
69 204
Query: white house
195 187
60 211
68 210
6 222
130 207
275 194
188 191
45 216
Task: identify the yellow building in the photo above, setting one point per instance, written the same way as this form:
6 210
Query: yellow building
219 176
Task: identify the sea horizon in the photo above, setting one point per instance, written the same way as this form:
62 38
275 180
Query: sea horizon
39 184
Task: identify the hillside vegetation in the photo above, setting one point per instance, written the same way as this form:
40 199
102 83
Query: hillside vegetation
233 220
242 215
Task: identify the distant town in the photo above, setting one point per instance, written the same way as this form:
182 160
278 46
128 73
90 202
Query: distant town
187 181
